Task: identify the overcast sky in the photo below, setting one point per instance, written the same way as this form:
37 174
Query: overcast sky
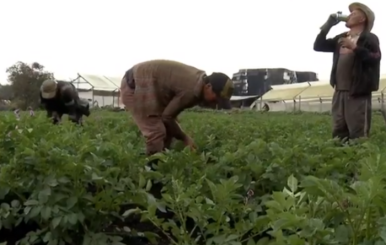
108 37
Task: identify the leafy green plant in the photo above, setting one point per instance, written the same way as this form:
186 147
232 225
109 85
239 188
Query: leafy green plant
256 179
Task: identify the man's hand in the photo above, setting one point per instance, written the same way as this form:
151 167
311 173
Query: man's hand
347 43
55 117
190 143
331 21
84 110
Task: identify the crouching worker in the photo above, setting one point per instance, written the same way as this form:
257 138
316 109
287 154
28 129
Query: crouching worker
155 92
60 98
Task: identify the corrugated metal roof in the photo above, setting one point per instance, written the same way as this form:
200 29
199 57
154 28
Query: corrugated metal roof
115 80
237 98
99 82
282 94
291 86
317 90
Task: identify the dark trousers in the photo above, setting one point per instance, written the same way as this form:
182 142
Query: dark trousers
57 116
351 115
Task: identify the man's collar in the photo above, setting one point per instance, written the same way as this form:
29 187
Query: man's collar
352 34
199 85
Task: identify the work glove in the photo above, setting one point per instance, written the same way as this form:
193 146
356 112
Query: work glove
331 21
55 117
86 111
84 107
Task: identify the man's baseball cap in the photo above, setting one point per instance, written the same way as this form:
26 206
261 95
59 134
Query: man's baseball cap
48 89
223 87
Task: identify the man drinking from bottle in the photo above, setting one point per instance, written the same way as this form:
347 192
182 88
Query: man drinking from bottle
355 71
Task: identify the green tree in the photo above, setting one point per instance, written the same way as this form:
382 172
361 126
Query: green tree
6 92
25 81
6 95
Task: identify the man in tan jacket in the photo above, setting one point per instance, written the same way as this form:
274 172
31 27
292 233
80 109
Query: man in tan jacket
156 91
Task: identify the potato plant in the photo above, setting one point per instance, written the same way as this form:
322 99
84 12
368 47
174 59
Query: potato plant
256 179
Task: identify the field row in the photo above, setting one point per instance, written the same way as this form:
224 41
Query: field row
257 178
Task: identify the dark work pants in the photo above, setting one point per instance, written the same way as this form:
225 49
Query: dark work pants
56 117
351 115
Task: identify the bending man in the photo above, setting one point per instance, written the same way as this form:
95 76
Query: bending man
62 98
155 92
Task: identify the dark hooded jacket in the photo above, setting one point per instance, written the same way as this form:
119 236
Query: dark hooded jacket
366 68
65 100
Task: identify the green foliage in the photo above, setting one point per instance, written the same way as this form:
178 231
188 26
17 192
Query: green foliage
25 81
256 179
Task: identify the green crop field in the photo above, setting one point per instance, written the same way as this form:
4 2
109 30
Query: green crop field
256 178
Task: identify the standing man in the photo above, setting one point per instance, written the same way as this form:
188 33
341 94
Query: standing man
60 98
355 71
156 91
